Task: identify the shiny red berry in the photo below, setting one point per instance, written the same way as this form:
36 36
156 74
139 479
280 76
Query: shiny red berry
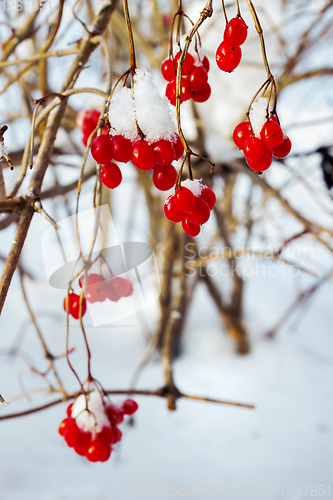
283 150
101 149
202 96
142 155
69 410
121 148
205 63
200 213
185 199
190 228
96 451
82 443
122 286
228 57
178 147
198 79
235 32
168 70
170 91
62 427
74 305
164 177
71 433
271 135
263 163
129 406
253 148
188 63
208 195
107 454
171 210
106 436
115 414
110 292
164 152
111 175
241 133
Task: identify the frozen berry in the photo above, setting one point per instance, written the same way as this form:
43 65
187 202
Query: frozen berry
200 213
208 195
122 286
115 414
71 433
69 410
164 177
171 94
253 148
178 147
263 163
74 305
185 199
142 155
129 406
121 148
198 79
62 427
106 435
111 175
101 149
96 451
188 63
168 70
205 63
164 152
203 95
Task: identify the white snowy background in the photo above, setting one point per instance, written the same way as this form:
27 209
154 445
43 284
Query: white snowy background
287 438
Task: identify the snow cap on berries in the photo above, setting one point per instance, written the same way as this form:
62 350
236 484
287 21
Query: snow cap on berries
258 115
85 420
195 186
121 115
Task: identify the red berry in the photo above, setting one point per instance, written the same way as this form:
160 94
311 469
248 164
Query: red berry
241 133
88 120
115 414
110 292
69 410
106 436
283 150
205 63
227 57
71 433
200 213
129 406
96 292
185 199
111 175
107 454
130 289
203 95
178 147
91 279
74 305
235 32
82 443
142 155
198 79
170 91
164 177
271 135
188 63
101 149
253 148
168 70
122 286
190 228
62 427
121 148
208 195
118 434
263 163
96 451
171 210
164 152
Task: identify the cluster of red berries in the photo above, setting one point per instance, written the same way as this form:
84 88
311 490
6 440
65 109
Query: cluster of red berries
259 152
191 208
87 120
98 290
96 446
229 53
194 81
157 156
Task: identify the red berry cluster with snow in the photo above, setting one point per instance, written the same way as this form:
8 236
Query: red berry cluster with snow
266 141
194 80
152 146
98 290
191 205
92 425
229 53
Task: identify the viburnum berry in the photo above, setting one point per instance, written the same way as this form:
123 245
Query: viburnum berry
96 451
111 175
82 443
253 148
69 409
95 290
200 213
121 148
71 433
171 210
283 150
185 199
142 155
118 434
122 286
129 406
101 149
88 119
208 195
106 436
271 135
235 32
171 93
168 70
262 163
164 152
203 95
74 305
107 454
205 63
62 427
228 57
178 147
241 133
110 292
188 63
198 79
115 414
164 177
190 228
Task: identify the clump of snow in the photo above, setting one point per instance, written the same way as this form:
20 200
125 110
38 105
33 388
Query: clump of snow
195 186
152 111
258 115
94 421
